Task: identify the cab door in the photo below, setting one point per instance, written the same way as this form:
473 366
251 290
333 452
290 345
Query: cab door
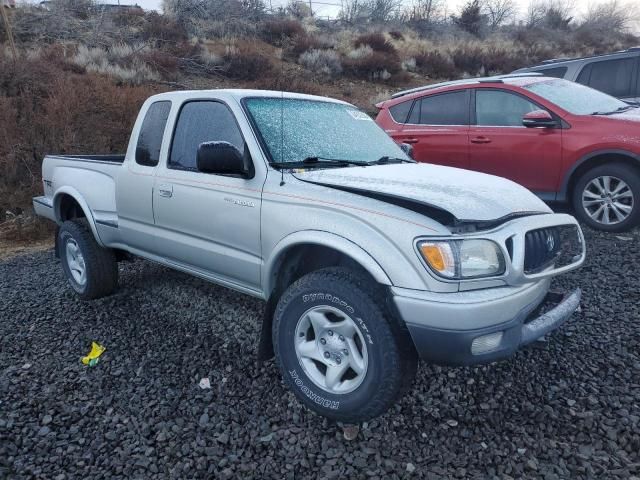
135 182
501 145
438 129
208 223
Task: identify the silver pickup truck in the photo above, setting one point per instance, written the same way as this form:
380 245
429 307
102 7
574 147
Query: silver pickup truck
367 261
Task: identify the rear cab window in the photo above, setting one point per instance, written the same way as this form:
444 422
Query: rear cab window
450 108
152 133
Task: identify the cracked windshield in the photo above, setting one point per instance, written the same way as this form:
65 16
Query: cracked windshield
294 130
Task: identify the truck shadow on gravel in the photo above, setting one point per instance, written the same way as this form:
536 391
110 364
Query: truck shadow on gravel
565 407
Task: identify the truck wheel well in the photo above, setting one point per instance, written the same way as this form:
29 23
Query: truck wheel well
293 264
596 161
69 208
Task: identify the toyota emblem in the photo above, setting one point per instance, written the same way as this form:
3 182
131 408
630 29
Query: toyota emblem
551 243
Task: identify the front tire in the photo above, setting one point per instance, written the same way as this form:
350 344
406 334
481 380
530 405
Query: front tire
92 271
608 197
338 348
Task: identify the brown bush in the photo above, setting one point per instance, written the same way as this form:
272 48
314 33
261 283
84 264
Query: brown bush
435 65
278 31
246 63
376 41
376 66
501 60
300 44
467 59
396 35
161 29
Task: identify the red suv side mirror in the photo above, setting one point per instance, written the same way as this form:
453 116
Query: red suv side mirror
538 119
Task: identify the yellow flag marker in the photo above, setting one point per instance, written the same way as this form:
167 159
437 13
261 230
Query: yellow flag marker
92 358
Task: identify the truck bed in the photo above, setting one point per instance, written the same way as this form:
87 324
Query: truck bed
111 158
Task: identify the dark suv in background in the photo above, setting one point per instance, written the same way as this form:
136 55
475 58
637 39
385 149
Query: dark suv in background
617 74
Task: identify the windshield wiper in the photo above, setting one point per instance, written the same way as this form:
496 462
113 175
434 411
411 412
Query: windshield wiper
318 162
617 110
387 159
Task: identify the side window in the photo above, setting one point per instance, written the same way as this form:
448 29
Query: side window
199 122
558 72
400 112
609 76
444 109
152 133
501 109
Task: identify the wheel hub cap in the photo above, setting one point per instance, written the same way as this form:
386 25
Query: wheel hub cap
75 262
331 350
608 200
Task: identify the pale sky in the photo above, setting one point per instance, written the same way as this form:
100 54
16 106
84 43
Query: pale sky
323 10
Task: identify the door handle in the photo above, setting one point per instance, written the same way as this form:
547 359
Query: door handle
480 140
165 190
410 140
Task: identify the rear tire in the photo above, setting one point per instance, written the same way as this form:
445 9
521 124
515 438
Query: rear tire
92 271
608 197
336 320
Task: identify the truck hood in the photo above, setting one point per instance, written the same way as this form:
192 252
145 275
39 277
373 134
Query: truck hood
468 196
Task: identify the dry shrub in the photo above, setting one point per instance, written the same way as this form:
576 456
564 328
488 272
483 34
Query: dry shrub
279 30
162 29
396 35
467 58
374 66
245 62
377 42
288 81
120 62
435 64
322 62
300 44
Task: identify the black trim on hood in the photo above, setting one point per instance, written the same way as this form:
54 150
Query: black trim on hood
438 214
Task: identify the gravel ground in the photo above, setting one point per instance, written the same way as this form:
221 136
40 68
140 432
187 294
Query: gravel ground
568 407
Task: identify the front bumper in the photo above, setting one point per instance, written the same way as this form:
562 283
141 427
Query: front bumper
488 343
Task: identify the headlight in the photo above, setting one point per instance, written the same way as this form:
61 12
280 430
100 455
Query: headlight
460 259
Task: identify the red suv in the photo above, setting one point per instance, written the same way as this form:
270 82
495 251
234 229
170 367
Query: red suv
562 140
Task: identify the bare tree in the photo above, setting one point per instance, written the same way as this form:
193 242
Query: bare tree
554 14
426 11
500 11
612 16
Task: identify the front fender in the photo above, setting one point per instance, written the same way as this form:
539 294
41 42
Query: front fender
325 239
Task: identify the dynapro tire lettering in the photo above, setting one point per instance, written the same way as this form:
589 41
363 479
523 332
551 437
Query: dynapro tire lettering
327 297
312 395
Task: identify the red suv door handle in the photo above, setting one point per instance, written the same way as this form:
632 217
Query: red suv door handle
480 140
410 140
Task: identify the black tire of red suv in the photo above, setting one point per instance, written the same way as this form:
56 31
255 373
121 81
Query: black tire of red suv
392 360
629 175
98 264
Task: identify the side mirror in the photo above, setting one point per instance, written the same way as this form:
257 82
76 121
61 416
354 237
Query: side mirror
539 119
408 149
221 158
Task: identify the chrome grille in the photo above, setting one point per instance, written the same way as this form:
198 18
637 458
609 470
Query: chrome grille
553 246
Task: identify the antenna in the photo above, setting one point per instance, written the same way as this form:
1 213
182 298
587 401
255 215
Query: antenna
281 124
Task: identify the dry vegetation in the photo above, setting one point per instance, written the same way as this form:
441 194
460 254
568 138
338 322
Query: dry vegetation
82 72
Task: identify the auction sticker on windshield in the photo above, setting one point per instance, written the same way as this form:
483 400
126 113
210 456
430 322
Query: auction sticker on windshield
358 115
